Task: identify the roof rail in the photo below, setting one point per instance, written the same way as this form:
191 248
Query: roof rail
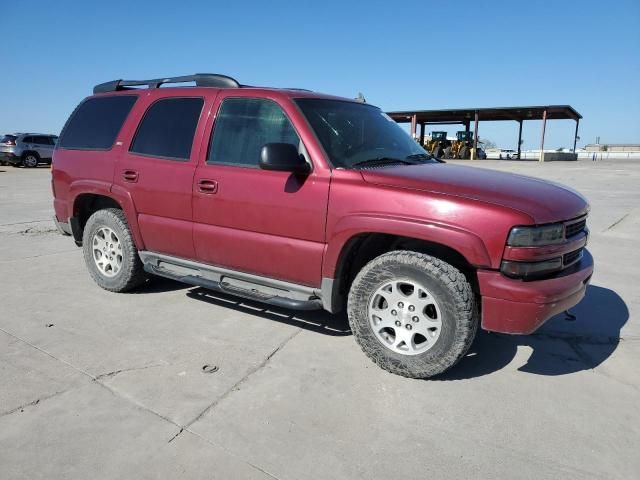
201 80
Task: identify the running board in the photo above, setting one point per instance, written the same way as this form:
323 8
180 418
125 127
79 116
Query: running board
252 287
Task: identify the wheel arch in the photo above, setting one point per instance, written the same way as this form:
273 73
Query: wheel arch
30 152
347 255
86 203
27 152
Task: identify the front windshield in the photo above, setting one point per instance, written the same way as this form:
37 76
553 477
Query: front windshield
354 134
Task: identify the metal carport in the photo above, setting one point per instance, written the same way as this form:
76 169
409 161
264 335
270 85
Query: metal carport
465 116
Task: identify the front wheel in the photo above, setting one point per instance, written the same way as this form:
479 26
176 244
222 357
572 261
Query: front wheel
412 314
110 253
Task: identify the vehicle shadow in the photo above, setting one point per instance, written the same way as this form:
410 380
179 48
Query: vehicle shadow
317 321
156 284
560 347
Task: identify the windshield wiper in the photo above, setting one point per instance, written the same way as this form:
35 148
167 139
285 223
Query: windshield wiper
381 161
420 155
425 156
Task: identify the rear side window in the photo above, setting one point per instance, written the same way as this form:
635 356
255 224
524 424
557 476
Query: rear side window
96 122
27 140
42 140
243 126
167 128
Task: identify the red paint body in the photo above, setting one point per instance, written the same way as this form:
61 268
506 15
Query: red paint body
290 228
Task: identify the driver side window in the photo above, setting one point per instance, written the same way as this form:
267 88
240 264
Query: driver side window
243 126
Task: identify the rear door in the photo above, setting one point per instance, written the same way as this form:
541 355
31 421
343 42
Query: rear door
44 146
262 222
157 171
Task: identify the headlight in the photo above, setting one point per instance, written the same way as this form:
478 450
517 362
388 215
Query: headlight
536 236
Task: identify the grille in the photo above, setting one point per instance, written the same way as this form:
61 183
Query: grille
575 228
571 257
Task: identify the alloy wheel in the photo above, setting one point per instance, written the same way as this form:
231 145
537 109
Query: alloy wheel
107 251
405 317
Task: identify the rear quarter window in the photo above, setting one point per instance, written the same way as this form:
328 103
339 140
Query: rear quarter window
95 124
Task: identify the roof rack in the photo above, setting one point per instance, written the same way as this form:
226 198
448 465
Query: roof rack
201 80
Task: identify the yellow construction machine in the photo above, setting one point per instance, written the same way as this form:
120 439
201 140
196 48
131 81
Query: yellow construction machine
438 143
462 145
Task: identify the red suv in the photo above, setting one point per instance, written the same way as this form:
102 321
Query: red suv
309 201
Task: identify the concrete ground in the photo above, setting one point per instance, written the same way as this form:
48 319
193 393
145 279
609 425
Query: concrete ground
100 385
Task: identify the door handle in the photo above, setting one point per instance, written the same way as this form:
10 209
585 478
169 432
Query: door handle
130 176
207 186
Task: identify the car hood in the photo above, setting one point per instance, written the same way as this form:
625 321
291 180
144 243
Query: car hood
543 201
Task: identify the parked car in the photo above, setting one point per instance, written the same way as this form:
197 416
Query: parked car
27 149
507 154
308 201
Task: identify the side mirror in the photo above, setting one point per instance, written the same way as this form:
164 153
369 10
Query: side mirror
283 157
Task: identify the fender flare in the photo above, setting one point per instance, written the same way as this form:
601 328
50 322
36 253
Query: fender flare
466 243
121 196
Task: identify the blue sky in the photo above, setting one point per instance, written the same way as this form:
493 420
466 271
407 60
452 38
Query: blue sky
401 55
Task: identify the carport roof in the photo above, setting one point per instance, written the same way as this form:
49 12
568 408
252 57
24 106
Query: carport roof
463 115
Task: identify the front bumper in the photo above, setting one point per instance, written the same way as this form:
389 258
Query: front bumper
520 307
9 157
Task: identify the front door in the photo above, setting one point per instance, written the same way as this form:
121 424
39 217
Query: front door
157 171
262 222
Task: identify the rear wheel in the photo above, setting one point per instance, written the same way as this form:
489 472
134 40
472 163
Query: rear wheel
110 253
412 314
30 160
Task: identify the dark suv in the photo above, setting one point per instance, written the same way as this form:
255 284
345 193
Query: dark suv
308 201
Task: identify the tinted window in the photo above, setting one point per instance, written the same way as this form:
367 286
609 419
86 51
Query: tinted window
96 122
242 128
27 140
41 140
168 127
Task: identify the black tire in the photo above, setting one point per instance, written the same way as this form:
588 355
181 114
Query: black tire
455 298
131 273
30 160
